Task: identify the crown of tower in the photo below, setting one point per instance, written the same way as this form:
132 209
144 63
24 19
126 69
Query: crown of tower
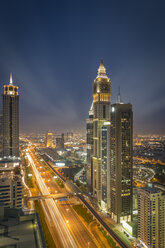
101 71
10 89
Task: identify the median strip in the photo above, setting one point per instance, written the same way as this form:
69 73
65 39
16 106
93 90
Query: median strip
82 211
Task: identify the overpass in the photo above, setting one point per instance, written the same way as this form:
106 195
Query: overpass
43 197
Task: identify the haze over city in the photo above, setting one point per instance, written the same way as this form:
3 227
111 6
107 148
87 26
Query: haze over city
54 50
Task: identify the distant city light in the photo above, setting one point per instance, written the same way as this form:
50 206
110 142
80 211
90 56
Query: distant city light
60 164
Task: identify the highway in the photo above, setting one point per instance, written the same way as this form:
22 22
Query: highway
147 160
78 229
76 226
143 174
73 188
78 238
102 222
64 234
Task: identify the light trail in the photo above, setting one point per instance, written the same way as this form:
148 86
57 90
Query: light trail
64 234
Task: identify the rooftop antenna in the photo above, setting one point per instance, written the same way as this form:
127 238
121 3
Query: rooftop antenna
11 79
119 96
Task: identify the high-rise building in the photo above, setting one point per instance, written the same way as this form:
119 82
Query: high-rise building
69 136
151 217
105 173
120 162
1 134
10 175
10 190
101 114
10 121
89 137
60 141
49 139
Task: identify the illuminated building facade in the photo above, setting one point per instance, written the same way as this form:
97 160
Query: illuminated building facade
10 121
101 114
69 136
120 162
104 166
11 191
1 134
60 141
151 217
49 139
89 128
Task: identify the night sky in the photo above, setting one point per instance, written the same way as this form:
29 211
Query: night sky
54 48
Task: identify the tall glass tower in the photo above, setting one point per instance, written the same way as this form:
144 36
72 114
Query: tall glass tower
121 151
89 138
10 121
101 114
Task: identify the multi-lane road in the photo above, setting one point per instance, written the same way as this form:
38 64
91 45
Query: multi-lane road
65 237
147 160
73 188
66 227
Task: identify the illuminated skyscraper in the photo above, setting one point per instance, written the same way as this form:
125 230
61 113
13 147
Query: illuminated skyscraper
10 190
1 133
120 162
89 127
105 183
10 121
49 139
69 136
101 114
151 217
60 141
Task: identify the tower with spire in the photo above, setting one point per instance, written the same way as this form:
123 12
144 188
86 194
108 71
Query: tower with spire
101 115
10 121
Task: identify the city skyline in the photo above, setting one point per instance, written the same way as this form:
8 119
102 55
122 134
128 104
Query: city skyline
53 52
82 137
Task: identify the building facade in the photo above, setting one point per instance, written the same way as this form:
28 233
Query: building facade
101 114
151 217
120 162
69 136
49 139
60 141
105 183
89 137
10 121
11 191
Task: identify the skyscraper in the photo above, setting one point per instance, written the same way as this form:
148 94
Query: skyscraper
10 190
151 217
49 139
105 173
101 114
10 121
10 176
60 141
120 162
1 133
89 128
